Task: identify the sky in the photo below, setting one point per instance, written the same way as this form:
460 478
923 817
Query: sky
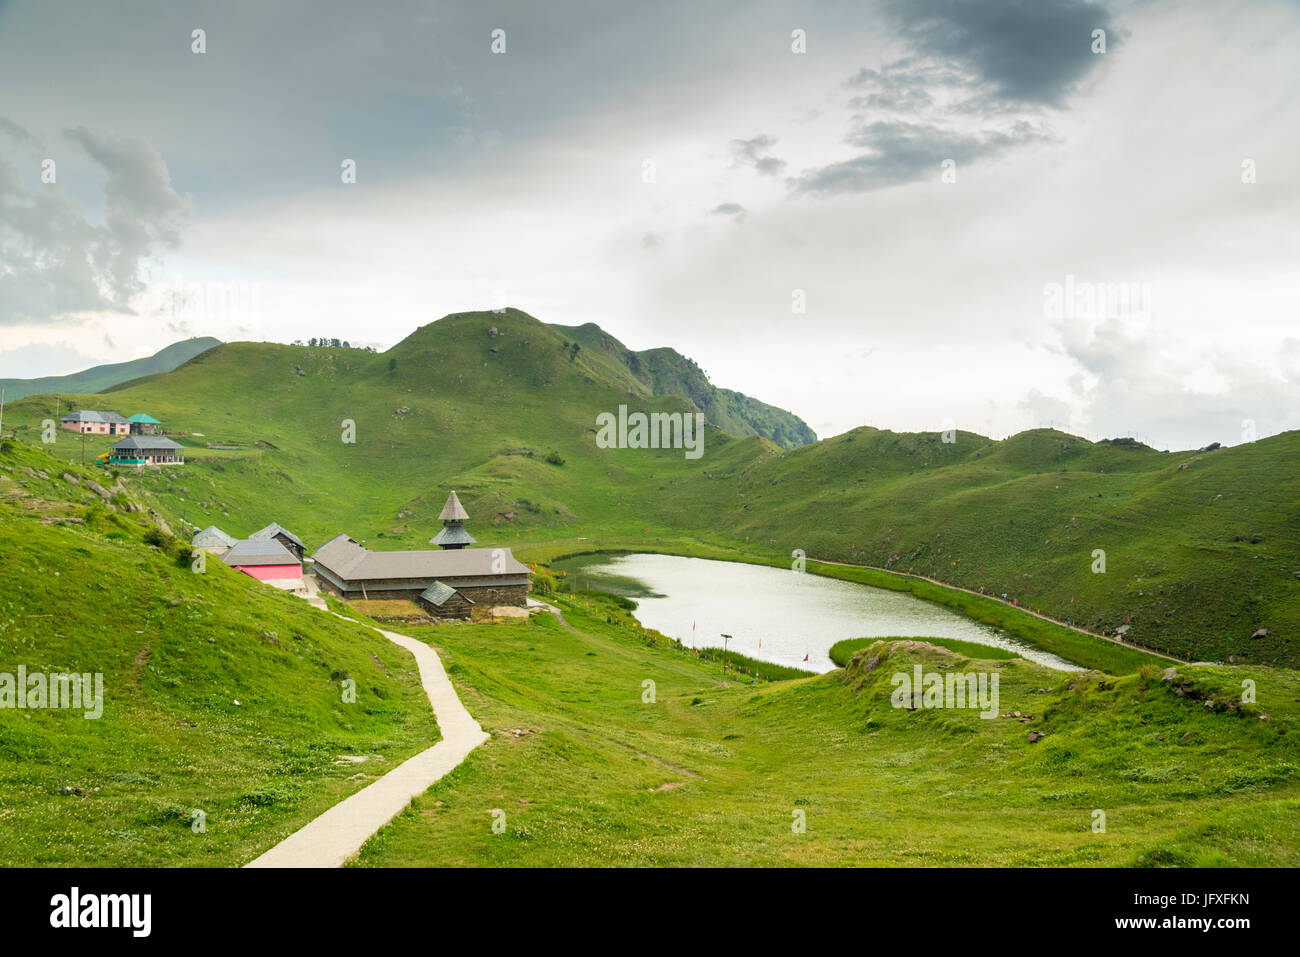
910 214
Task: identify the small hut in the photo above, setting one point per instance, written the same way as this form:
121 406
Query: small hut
142 424
443 601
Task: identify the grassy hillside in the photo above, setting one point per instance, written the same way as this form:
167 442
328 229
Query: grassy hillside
667 372
1199 547
588 772
99 378
220 695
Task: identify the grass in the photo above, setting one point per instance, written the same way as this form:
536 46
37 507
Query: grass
743 667
610 744
842 651
222 696
711 771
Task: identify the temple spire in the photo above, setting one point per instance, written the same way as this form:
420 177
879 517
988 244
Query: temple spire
453 534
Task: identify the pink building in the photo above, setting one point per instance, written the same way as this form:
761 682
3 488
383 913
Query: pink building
266 560
90 422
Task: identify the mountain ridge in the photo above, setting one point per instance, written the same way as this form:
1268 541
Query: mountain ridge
103 377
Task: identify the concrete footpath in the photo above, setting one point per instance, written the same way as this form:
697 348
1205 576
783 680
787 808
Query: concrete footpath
335 836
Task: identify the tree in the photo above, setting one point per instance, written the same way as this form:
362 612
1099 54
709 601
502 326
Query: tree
392 366
312 342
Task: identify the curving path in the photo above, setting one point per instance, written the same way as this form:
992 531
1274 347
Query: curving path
335 836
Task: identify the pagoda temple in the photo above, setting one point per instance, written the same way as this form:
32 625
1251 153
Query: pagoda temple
453 534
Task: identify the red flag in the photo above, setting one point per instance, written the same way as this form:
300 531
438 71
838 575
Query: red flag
805 657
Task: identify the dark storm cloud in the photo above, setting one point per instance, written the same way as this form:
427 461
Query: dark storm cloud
1030 51
55 261
900 152
996 65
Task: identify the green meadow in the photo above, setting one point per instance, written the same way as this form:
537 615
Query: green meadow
225 697
716 770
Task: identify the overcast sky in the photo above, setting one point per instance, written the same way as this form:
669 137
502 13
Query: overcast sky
938 214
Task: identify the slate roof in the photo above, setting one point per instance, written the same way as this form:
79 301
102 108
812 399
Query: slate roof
438 593
212 536
275 529
351 562
453 535
262 552
453 509
90 415
147 442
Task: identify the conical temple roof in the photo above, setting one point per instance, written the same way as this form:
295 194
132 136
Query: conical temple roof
453 536
453 510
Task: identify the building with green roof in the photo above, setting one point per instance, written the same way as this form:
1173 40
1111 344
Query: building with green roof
142 424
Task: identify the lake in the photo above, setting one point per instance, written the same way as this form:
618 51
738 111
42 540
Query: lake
775 614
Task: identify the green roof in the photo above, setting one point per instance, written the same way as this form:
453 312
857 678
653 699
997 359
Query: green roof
141 417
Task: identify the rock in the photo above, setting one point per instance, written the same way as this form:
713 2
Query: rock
1169 675
70 478
98 489
1186 735
1035 736
69 789
1261 633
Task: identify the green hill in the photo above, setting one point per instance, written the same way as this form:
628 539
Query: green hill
668 372
1200 547
100 378
220 695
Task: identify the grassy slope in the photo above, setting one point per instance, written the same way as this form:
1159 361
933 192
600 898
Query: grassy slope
1194 555
842 651
711 773
177 650
667 372
99 378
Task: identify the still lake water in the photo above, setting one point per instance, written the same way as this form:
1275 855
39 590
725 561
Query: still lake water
775 614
